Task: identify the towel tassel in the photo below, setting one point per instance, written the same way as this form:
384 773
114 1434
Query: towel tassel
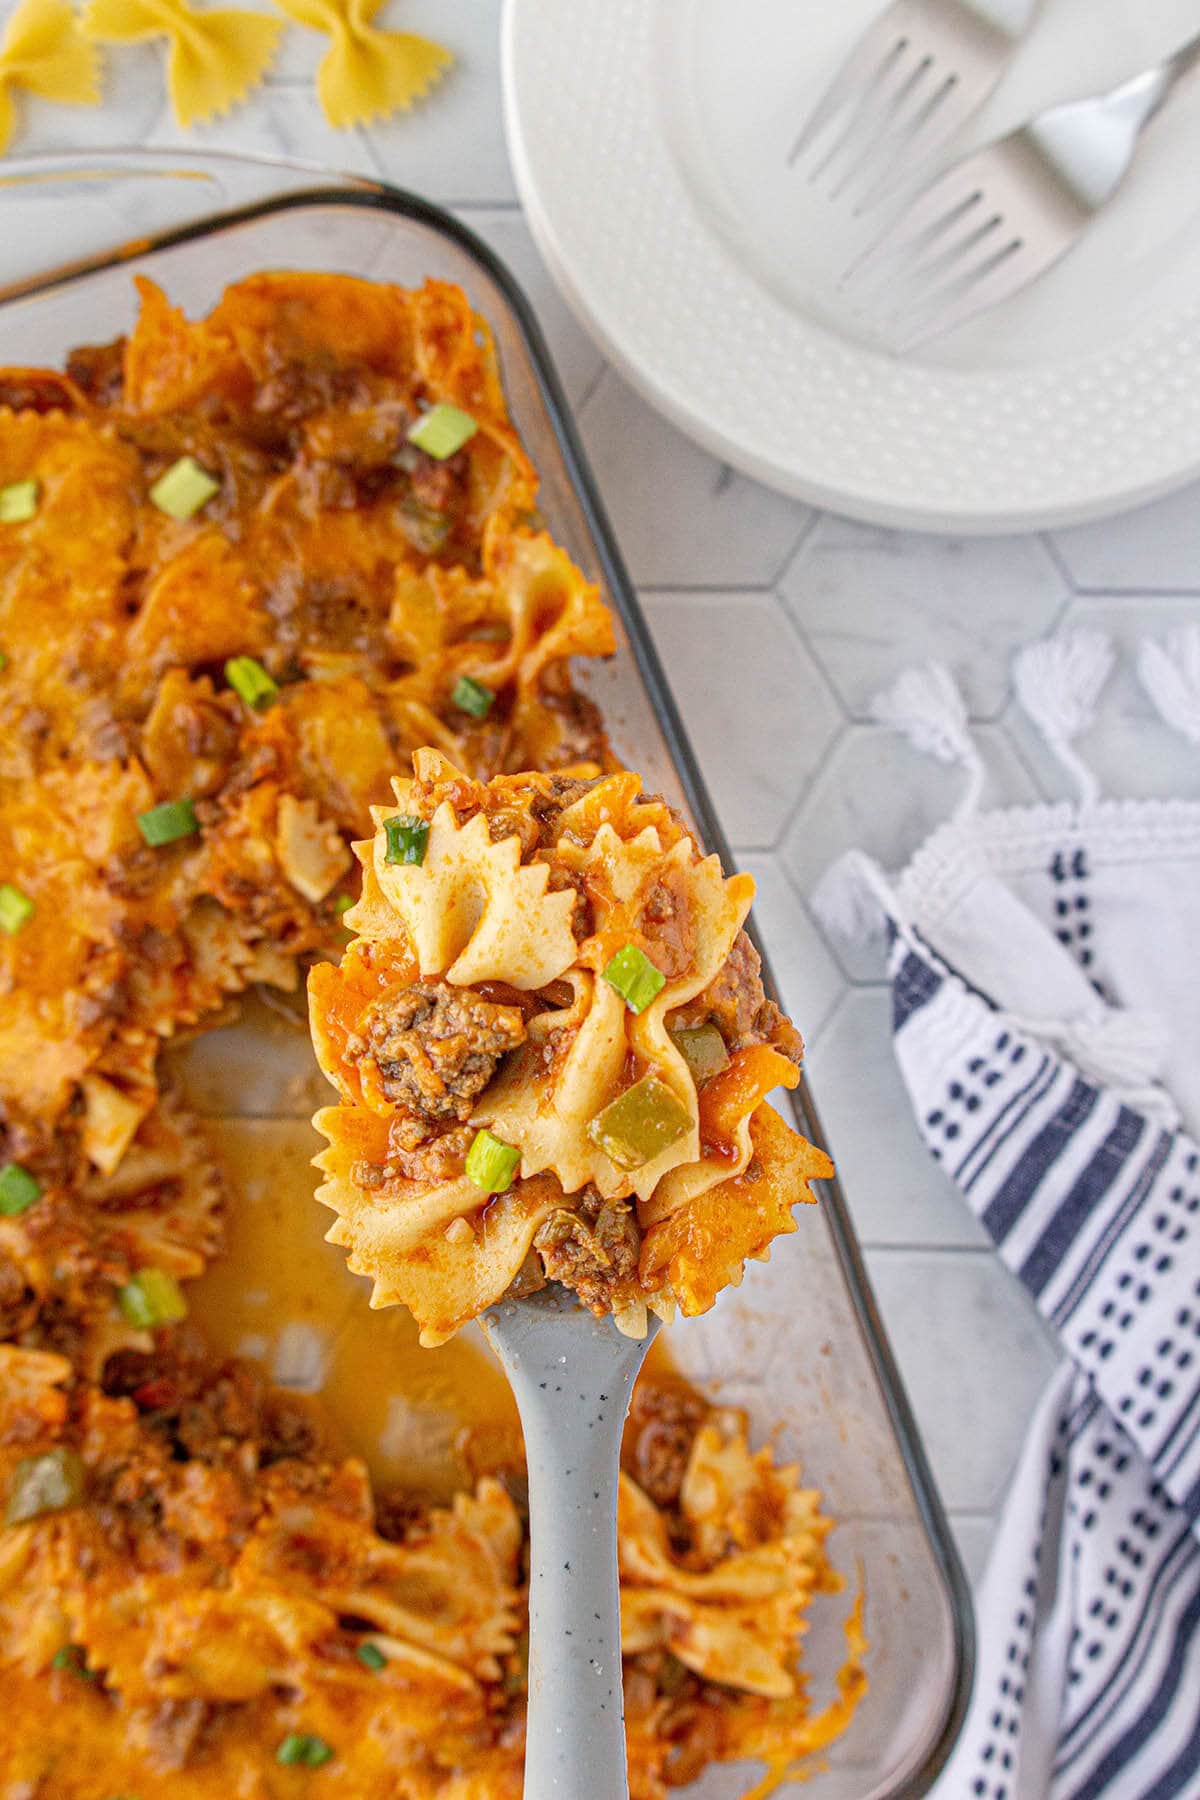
852 900
1170 673
926 705
1058 683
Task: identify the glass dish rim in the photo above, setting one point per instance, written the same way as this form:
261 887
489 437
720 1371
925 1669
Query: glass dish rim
372 194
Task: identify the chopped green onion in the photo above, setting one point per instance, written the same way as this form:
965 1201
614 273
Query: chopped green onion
170 820
43 1484
184 489
635 977
18 1190
3 662
407 838
371 1657
472 697
639 1123
18 502
16 908
703 1050
442 430
302 1748
491 1164
250 681
73 1658
152 1297
343 903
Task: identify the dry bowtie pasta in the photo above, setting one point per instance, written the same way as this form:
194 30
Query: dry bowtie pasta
367 73
214 57
45 53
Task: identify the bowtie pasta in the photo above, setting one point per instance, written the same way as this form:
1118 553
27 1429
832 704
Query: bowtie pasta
552 1051
250 1601
249 564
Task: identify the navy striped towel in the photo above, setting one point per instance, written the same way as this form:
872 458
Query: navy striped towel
1013 939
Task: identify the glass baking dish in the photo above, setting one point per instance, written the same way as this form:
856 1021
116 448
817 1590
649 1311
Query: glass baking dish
800 1345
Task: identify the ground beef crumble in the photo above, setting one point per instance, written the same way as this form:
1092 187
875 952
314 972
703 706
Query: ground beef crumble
667 925
735 1002
663 1421
173 1728
436 1048
592 1249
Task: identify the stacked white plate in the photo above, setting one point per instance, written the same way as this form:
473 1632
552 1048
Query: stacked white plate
650 140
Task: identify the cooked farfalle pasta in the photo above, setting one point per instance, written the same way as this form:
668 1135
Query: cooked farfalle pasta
248 564
552 1050
363 585
718 1575
246 1590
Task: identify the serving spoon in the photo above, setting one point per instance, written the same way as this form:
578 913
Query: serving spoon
572 1376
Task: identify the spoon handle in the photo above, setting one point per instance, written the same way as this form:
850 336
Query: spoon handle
572 1377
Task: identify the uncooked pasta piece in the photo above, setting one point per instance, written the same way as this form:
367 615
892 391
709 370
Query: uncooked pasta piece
367 73
45 53
215 55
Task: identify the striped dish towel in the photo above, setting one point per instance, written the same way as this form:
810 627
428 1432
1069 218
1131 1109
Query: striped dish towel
1066 1118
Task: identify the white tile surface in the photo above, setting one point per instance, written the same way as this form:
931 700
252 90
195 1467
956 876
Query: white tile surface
809 979
770 683
876 793
897 1195
760 715
284 121
872 602
976 1357
133 100
578 361
974 1534
683 518
1156 547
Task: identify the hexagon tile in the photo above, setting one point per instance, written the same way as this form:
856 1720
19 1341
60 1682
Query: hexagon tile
974 1408
872 602
578 362
876 793
810 982
684 519
734 658
1158 546
897 1194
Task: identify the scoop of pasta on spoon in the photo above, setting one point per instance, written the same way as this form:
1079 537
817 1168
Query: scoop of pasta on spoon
552 1052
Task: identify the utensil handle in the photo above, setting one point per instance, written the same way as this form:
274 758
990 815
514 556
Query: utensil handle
575 1734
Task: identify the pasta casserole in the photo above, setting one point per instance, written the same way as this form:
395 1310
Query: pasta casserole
250 565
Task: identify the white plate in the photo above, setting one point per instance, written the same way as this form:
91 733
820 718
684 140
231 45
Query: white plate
649 140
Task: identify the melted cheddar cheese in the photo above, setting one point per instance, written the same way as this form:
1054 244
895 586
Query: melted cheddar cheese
192 1571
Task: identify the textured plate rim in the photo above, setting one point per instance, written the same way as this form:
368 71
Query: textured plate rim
800 481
